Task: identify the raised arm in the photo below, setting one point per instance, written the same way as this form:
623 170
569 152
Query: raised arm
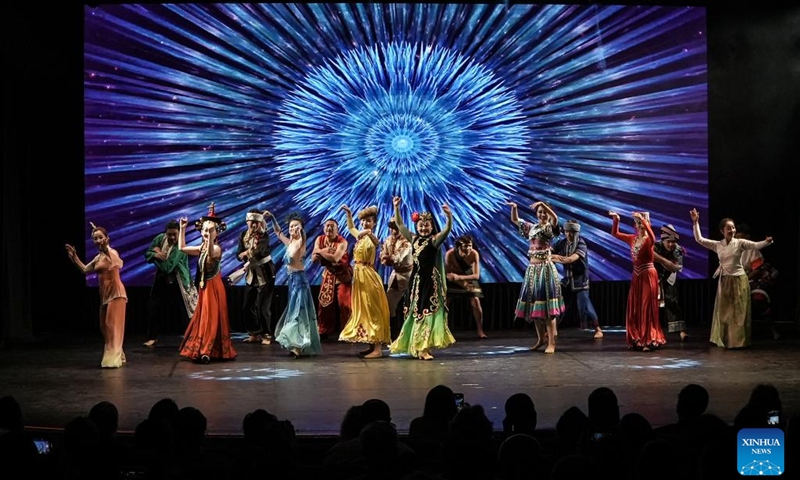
73 256
277 228
351 225
441 236
398 220
514 213
189 250
698 237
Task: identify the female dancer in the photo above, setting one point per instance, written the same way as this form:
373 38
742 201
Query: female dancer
425 326
369 317
113 298
642 328
731 323
296 330
540 299
208 335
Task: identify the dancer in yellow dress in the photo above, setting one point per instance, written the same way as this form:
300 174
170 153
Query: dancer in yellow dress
369 317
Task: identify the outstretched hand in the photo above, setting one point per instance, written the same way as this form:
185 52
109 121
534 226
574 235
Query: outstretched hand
446 209
613 214
71 253
396 201
347 209
511 204
695 215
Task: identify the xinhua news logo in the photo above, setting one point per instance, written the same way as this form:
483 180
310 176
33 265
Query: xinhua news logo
760 451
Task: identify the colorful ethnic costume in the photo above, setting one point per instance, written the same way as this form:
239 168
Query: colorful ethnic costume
369 317
297 327
173 296
668 291
642 326
259 274
334 307
540 297
208 333
425 325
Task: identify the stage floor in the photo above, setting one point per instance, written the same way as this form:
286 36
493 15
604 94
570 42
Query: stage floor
58 378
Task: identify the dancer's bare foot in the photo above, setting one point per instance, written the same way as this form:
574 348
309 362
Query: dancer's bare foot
252 339
266 340
684 336
482 335
425 355
150 343
295 352
550 349
376 353
598 334
367 351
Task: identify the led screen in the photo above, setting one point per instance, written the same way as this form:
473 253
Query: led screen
306 107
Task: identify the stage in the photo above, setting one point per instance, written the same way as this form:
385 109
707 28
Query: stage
59 377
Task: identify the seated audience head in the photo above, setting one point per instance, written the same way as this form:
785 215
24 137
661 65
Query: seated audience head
692 402
106 416
603 409
521 416
440 404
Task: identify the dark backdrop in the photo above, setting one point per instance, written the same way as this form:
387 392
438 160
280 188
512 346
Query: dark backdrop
754 139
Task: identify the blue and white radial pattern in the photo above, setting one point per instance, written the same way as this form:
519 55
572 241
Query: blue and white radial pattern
306 107
413 120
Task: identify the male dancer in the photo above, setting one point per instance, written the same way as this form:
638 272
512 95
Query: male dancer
259 272
396 253
462 264
172 294
571 251
668 256
333 310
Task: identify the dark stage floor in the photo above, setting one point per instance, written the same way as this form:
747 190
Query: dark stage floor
58 378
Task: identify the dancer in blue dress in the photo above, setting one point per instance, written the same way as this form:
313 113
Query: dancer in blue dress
296 330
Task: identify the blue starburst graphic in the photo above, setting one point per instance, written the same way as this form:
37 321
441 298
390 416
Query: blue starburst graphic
399 119
305 107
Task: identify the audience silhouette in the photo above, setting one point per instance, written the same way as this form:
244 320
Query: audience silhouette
445 443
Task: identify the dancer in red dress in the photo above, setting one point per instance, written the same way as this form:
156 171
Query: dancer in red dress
643 330
208 335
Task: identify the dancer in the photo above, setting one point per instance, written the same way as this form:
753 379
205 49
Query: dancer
668 256
761 277
330 251
113 298
369 317
296 330
540 300
208 335
642 328
425 326
173 296
731 323
396 253
572 252
259 274
463 266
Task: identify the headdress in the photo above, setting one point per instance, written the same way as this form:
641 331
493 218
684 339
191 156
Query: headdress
668 232
254 217
417 216
371 211
211 217
572 226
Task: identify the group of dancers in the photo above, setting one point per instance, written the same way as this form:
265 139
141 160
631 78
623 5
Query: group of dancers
354 301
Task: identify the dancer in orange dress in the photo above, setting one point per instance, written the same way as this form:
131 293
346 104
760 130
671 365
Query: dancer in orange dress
113 298
208 335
